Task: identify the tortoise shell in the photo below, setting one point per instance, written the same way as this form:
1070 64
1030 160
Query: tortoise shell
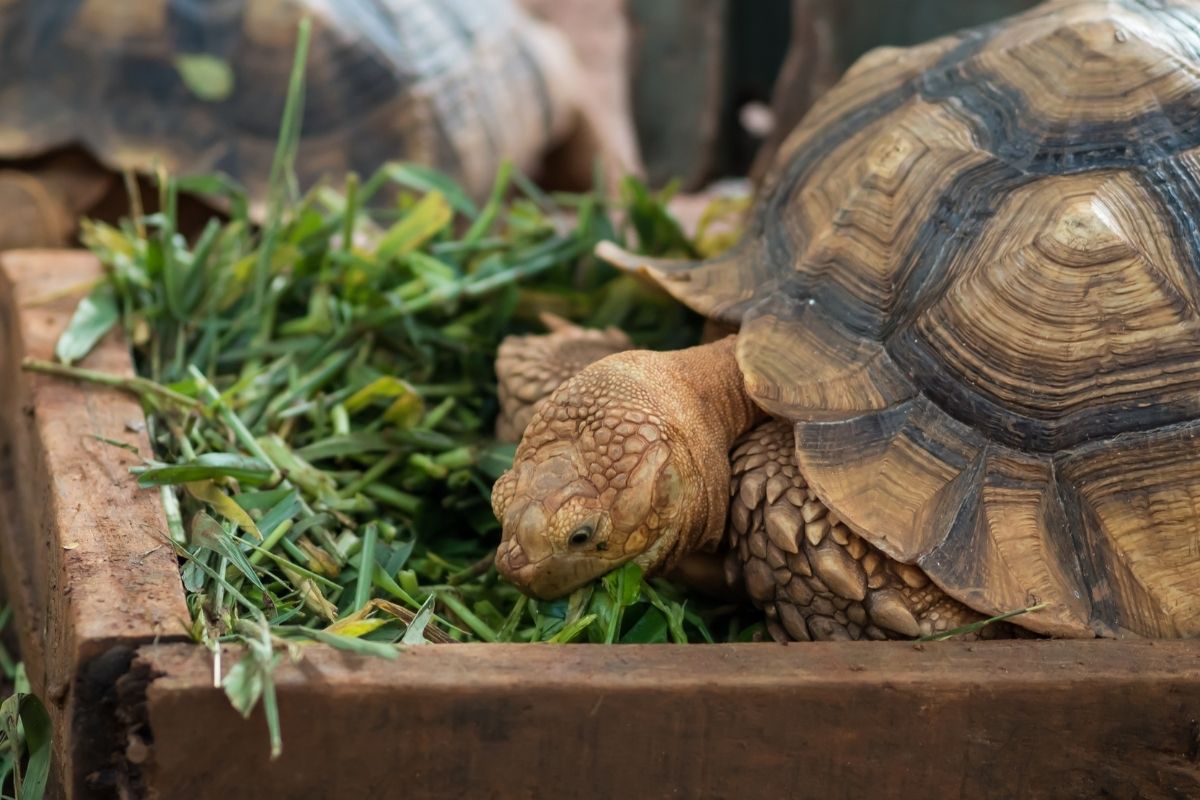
974 286
455 84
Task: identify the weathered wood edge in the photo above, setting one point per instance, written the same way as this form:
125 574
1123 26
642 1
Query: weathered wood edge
84 554
1051 719
854 720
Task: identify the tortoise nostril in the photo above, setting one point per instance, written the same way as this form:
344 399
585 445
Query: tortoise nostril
513 557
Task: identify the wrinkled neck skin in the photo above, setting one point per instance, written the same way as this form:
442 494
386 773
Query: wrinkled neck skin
709 410
627 461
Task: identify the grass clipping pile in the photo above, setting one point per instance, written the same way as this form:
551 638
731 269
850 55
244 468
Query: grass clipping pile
320 395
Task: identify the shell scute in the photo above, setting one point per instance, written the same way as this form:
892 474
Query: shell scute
982 280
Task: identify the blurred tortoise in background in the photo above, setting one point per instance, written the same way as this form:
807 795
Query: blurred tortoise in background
458 85
969 314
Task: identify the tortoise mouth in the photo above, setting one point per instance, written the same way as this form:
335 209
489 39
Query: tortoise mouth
551 577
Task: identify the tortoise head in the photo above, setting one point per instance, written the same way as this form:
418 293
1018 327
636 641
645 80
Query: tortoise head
602 477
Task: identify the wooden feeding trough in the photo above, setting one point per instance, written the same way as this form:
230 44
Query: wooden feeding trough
101 616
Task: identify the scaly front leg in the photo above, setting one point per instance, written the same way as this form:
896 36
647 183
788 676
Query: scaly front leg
529 368
812 577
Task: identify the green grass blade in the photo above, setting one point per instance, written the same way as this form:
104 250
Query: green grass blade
366 566
94 317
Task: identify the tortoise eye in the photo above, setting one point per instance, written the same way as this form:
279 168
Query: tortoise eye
581 535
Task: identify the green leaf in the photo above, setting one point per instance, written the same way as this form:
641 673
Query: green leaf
26 725
219 184
509 628
698 622
494 460
287 508
241 468
357 628
658 232
224 505
265 499
206 76
209 534
95 316
416 629
975 627
319 319
299 470
623 587
38 739
625 584
569 632
197 276
499 189
426 219
192 574
651 628
366 565
433 271
406 408
350 644
469 617
243 685
674 613
426 179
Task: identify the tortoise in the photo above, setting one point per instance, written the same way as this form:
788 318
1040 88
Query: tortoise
454 84
965 377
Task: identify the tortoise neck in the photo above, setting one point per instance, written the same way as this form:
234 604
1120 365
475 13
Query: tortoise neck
712 410
723 410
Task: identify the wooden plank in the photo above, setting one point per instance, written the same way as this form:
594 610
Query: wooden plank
85 556
854 720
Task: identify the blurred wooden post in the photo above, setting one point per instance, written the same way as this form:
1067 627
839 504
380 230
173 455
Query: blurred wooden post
812 65
865 24
679 51
598 31
829 35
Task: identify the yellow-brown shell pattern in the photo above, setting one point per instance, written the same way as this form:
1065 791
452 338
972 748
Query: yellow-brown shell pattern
974 287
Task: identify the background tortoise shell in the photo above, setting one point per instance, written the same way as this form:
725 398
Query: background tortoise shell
973 285
456 84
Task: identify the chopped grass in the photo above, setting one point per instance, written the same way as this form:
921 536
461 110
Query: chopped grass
976 627
320 395
319 392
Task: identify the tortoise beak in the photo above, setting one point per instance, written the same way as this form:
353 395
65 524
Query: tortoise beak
550 578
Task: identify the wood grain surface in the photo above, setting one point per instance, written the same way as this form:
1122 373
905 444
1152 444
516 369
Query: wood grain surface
815 720
84 557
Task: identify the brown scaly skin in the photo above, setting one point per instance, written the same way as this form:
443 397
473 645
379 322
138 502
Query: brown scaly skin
529 368
813 578
612 468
